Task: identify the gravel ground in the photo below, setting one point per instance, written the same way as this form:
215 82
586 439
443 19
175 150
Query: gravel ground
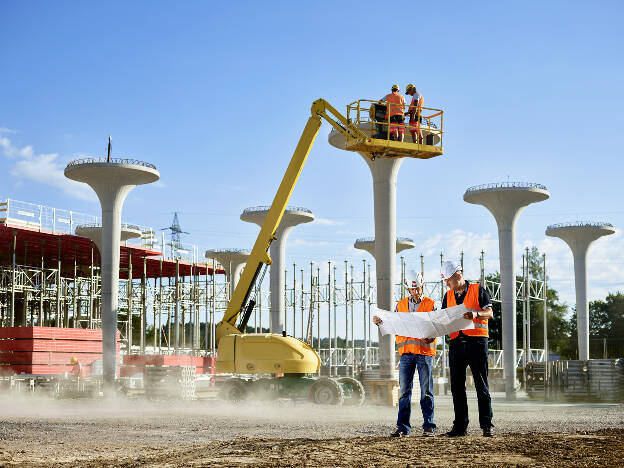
39 432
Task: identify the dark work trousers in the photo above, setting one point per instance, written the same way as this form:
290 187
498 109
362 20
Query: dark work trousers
470 351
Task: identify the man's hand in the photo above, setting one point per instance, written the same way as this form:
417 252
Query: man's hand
428 340
471 314
377 320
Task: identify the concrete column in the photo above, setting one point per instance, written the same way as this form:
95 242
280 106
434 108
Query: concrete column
505 201
384 173
291 218
232 261
579 237
112 180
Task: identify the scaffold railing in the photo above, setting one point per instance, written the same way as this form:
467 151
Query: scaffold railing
372 239
580 224
103 160
60 221
510 185
257 209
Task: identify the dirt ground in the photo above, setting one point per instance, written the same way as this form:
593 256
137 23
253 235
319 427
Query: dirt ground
40 432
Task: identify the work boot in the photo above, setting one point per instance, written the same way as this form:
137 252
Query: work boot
429 432
399 433
455 432
488 432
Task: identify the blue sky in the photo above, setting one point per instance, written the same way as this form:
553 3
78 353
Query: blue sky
216 95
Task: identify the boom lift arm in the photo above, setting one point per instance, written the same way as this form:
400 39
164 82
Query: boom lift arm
240 303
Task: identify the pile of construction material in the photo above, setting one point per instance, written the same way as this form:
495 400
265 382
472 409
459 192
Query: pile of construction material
49 350
170 382
594 379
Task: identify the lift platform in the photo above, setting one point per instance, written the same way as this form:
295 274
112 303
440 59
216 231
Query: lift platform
366 130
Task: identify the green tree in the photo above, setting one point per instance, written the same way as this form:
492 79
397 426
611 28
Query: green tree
606 322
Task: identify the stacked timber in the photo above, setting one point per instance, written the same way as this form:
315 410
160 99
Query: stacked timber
48 350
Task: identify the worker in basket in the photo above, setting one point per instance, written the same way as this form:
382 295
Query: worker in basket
394 113
415 113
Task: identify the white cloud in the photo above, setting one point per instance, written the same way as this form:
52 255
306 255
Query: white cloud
304 243
328 222
45 169
7 130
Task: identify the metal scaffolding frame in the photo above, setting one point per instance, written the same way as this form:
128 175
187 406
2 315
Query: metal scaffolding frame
327 305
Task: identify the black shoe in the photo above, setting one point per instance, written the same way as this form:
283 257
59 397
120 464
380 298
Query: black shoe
456 433
428 433
399 433
488 432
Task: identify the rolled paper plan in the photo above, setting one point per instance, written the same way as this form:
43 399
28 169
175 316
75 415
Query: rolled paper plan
424 324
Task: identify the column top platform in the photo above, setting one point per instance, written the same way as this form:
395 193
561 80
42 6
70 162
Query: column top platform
121 171
504 186
292 216
574 231
94 232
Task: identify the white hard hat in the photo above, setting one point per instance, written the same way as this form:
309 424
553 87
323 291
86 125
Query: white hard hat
449 268
413 279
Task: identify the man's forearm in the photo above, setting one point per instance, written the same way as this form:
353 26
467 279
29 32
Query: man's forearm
486 313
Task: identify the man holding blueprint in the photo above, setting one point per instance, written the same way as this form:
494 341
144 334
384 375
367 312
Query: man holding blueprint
416 349
468 347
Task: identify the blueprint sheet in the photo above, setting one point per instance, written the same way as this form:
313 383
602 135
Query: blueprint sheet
424 324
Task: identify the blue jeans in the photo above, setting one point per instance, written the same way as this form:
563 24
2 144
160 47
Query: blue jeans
407 368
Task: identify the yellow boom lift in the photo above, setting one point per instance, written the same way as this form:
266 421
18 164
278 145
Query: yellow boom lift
296 363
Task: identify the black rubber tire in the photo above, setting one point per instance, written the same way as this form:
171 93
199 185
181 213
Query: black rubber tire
234 390
358 396
326 392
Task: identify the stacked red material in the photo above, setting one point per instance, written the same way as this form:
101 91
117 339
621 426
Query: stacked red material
134 364
48 350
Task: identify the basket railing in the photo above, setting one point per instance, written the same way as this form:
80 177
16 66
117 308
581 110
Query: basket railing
425 125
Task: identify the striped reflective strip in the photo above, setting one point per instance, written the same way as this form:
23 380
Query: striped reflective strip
481 325
417 343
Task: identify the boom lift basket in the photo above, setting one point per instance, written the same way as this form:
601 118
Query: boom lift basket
370 117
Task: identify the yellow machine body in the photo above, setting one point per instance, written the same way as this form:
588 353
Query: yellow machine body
266 353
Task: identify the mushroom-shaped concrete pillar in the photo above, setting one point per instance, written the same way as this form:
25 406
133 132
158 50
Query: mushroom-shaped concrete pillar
232 261
112 180
94 232
579 236
384 173
368 244
505 201
291 218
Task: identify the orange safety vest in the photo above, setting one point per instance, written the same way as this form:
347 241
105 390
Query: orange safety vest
414 345
396 103
471 301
